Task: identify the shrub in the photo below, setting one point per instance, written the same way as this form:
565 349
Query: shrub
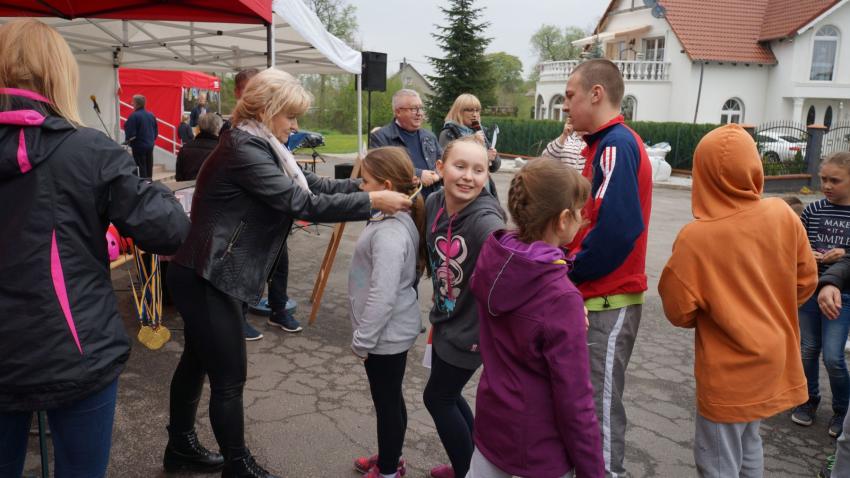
529 137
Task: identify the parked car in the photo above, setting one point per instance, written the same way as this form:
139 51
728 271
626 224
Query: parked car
776 146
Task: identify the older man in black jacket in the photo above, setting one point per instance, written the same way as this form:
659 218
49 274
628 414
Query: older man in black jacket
406 131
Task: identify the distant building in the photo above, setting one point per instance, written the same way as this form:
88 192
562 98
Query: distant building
412 79
720 61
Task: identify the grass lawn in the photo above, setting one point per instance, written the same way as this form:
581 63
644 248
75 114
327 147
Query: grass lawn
340 143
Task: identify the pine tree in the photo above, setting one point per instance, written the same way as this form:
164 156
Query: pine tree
464 69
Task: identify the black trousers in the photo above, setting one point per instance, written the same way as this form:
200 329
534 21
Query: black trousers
144 160
452 415
279 282
215 347
386 373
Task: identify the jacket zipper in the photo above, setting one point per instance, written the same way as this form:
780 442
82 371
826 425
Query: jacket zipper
233 238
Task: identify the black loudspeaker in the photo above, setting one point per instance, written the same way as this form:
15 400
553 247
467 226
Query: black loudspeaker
374 69
343 170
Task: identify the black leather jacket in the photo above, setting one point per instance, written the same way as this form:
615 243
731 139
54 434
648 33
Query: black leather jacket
243 209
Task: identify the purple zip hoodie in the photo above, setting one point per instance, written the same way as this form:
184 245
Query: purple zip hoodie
534 412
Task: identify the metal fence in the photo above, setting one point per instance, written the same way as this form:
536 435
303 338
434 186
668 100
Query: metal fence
782 146
837 138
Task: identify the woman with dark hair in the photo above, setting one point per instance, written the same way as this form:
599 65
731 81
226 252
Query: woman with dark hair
63 343
246 197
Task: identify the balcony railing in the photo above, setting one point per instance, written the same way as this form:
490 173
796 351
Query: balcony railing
637 70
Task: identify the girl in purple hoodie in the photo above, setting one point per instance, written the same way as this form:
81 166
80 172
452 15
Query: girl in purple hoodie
534 409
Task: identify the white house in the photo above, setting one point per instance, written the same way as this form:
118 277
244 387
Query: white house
719 61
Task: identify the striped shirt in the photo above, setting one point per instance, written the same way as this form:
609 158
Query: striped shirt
828 227
569 153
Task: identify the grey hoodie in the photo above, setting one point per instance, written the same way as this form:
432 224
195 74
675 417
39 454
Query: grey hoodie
453 246
381 287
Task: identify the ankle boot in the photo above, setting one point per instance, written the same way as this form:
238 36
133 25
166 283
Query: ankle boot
184 452
244 467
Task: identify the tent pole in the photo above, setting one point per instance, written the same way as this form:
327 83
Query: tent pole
359 114
270 51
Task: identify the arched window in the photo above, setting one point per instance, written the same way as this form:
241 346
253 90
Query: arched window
810 116
629 108
732 112
827 117
824 53
556 106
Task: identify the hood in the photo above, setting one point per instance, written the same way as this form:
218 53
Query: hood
728 176
465 130
484 203
28 132
407 220
510 273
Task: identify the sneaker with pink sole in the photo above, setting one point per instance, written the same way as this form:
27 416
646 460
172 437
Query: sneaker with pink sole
364 464
443 471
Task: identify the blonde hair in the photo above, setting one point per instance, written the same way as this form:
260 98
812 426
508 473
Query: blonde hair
540 191
461 103
447 151
35 57
269 93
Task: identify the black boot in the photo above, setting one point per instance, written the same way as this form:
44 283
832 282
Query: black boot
184 452
244 467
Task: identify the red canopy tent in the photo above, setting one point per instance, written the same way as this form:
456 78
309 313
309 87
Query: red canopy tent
227 11
163 90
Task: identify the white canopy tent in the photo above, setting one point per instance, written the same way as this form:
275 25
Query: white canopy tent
298 41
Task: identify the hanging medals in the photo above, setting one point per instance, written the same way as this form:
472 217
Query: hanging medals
148 300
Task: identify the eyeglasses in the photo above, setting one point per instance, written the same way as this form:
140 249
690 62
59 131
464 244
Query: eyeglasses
472 110
415 109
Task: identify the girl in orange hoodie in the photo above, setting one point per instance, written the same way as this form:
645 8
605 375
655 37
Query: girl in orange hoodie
737 275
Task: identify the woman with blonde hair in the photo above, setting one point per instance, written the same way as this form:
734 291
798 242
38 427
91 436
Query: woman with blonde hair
464 119
247 195
63 343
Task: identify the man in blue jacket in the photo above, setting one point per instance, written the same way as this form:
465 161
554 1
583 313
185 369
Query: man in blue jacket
140 132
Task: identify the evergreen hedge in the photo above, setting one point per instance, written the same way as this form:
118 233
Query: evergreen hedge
529 137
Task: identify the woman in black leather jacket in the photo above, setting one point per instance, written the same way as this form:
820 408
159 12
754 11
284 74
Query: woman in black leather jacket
247 195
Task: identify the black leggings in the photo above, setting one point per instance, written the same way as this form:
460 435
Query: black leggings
215 347
386 373
452 415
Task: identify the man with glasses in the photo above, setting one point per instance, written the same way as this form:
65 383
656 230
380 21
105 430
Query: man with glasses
406 131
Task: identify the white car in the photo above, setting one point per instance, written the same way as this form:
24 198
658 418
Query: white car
775 147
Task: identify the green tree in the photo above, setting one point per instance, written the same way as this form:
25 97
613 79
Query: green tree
550 43
464 69
506 70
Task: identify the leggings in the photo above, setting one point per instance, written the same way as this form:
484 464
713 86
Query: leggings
452 415
386 373
215 347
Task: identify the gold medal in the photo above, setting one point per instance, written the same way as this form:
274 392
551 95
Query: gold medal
152 338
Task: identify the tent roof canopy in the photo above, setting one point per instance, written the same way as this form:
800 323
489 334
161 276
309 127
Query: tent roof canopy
155 34
230 11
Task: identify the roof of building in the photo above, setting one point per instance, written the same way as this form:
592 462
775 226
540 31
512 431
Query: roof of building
736 30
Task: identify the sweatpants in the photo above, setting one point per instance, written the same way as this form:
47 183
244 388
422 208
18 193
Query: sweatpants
726 450
386 373
842 451
611 338
480 467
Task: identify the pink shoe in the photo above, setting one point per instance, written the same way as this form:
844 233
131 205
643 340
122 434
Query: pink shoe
375 472
364 464
443 471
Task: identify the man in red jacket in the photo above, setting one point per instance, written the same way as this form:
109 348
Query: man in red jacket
610 251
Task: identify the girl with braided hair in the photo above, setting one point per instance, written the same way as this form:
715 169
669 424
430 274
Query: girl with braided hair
534 407
388 259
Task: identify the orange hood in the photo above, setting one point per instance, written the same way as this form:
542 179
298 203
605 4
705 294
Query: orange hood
727 174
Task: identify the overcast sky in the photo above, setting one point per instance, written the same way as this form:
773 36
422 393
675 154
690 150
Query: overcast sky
403 28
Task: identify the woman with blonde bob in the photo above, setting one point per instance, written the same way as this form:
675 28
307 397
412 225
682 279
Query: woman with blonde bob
247 195
464 119
61 184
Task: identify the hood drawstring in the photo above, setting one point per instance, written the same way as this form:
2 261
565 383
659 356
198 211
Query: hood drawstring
493 285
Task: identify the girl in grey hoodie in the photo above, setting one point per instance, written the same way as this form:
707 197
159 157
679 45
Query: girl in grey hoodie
387 261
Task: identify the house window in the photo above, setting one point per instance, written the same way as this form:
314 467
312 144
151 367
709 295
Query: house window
810 116
556 106
653 49
733 111
629 108
827 117
824 53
